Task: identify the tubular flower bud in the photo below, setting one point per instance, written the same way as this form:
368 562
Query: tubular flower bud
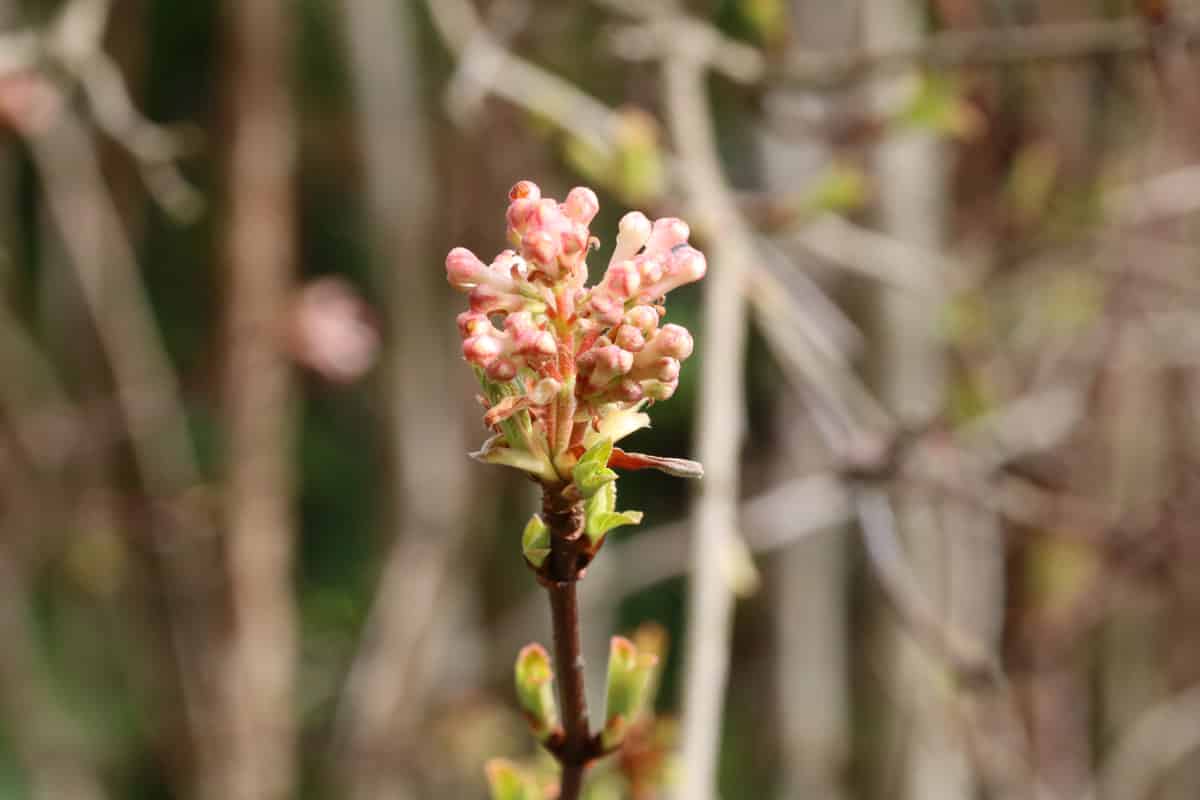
633 232
682 265
581 205
672 340
667 234
501 353
644 319
561 363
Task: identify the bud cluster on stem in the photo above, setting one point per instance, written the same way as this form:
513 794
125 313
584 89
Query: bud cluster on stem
567 370
569 363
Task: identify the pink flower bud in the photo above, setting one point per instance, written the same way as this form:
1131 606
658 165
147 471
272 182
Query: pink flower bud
633 231
644 318
652 270
606 309
502 369
685 265
581 205
621 280
672 341
629 338
482 350
667 233
541 249
604 363
630 391
524 198
525 190
527 339
666 369
575 240
474 323
464 270
486 300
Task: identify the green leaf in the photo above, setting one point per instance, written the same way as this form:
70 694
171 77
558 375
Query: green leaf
630 672
535 541
508 782
591 473
600 524
535 690
601 516
496 451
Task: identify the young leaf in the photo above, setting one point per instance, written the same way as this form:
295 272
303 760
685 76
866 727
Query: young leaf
591 473
535 690
535 541
629 674
600 524
509 782
601 515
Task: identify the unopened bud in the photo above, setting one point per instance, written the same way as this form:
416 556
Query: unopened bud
672 341
501 370
508 782
535 689
581 205
668 232
684 265
644 318
629 675
633 231
629 338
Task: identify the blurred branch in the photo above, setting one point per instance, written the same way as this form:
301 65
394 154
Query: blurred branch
183 538
1160 198
719 425
518 81
1014 45
874 254
45 738
1155 743
260 251
1000 744
72 45
391 681
997 47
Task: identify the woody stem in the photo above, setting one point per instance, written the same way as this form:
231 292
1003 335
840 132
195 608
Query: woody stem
565 520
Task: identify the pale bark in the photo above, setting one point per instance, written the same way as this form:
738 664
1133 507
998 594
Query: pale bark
957 568
719 423
403 657
259 670
811 658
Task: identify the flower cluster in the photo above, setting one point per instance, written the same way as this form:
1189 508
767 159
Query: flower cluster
562 364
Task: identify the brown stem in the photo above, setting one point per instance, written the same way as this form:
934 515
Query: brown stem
565 520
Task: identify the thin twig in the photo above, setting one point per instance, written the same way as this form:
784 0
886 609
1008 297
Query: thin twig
148 391
1157 741
996 47
260 252
720 417
1000 742
390 685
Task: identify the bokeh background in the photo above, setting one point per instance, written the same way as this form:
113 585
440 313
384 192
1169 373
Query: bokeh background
946 381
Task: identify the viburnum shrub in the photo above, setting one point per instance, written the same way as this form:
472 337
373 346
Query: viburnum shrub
568 370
